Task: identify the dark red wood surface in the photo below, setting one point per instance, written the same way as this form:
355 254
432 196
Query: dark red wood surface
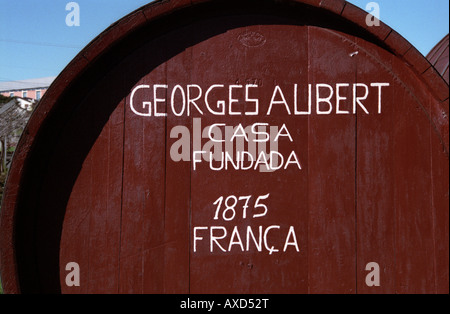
94 183
438 57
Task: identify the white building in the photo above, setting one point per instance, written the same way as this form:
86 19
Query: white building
32 88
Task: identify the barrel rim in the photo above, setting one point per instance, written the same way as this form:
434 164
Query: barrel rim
119 30
436 55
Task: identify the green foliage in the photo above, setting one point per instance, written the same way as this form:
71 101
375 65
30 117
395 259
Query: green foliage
1 289
4 100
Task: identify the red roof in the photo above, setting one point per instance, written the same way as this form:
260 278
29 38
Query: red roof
438 57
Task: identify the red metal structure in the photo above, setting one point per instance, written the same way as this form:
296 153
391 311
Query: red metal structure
360 119
438 57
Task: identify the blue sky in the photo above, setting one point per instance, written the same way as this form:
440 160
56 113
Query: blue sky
36 42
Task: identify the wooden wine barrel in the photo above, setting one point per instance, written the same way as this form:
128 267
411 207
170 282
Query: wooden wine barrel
234 147
438 57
